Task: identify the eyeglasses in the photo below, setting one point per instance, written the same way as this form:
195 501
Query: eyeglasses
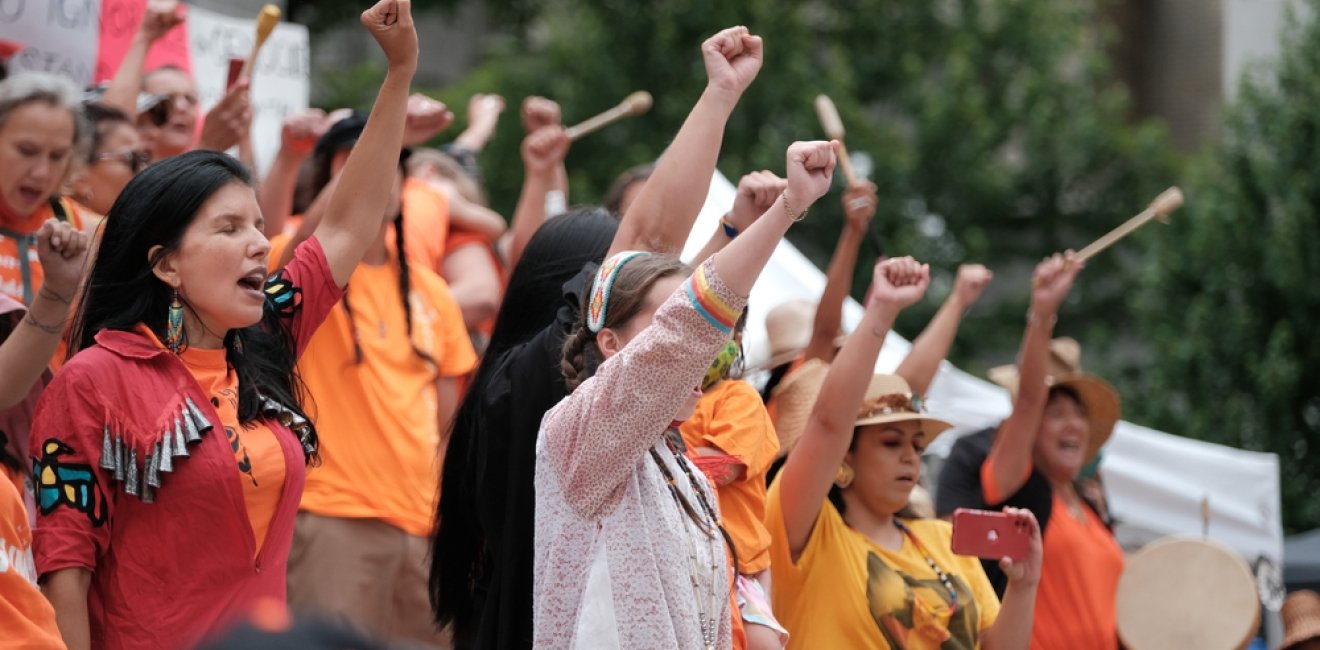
135 160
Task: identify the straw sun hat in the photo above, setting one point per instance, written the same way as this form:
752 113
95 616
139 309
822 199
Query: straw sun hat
788 329
1301 618
888 399
1065 369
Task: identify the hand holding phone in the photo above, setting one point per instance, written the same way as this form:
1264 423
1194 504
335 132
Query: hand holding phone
990 535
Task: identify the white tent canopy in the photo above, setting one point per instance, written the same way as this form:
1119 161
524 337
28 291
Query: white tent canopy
1156 481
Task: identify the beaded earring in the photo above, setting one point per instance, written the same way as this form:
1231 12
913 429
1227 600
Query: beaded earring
174 325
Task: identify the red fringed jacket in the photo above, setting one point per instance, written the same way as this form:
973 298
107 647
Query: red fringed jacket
134 484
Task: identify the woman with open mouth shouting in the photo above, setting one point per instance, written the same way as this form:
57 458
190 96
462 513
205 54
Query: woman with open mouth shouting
1035 460
170 451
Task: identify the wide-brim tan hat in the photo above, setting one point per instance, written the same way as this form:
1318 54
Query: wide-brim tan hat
794 398
788 329
1301 618
889 399
1098 397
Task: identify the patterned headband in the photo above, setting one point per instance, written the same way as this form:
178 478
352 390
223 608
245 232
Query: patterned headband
604 284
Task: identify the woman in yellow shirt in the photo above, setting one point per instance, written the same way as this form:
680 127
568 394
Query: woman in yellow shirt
849 569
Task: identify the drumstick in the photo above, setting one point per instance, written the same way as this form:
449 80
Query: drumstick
266 21
1168 201
634 104
829 120
833 125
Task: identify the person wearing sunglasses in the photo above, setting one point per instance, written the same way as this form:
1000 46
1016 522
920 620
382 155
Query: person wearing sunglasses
115 156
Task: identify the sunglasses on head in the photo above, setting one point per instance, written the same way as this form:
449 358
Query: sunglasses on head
159 113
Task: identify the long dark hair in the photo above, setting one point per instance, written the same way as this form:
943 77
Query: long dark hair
155 209
460 551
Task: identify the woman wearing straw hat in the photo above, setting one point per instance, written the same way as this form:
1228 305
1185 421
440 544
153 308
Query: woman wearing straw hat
850 568
1061 417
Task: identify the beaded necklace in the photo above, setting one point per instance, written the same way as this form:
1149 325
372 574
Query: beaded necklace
706 608
944 577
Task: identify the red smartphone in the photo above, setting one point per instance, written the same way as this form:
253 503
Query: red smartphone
235 67
990 535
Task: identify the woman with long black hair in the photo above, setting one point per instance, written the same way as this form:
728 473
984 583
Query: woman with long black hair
153 530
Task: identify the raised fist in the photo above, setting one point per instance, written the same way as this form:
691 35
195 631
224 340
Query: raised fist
1052 281
732 58
899 281
810 168
390 22
757 192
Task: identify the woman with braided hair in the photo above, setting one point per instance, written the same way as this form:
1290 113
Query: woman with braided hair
629 548
382 375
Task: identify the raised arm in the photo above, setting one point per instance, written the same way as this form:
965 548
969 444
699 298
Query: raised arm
1010 456
352 217
932 345
859 203
25 355
297 140
159 17
604 427
543 153
757 191
809 471
662 216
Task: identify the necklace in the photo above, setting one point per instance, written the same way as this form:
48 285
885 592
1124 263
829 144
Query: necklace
944 577
703 524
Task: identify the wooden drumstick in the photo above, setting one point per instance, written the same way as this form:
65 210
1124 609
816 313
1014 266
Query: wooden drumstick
829 120
1168 201
634 104
266 21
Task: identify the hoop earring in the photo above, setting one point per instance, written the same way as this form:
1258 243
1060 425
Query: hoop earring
843 477
174 325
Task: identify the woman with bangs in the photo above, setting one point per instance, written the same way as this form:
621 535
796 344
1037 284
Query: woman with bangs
850 567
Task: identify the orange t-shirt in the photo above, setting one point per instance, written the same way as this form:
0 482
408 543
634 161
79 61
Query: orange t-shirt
1076 603
731 418
12 278
425 224
378 420
27 619
257 451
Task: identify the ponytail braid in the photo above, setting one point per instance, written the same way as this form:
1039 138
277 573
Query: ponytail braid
405 286
573 365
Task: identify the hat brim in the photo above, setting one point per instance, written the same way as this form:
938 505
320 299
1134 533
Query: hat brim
931 426
788 356
1098 397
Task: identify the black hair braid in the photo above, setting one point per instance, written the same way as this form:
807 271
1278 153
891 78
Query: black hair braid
352 328
574 363
405 285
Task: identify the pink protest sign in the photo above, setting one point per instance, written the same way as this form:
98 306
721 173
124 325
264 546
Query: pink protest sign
120 20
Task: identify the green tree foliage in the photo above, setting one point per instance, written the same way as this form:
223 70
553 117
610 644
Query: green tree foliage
1230 291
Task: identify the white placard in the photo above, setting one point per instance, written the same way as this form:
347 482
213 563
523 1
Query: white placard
280 83
59 36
